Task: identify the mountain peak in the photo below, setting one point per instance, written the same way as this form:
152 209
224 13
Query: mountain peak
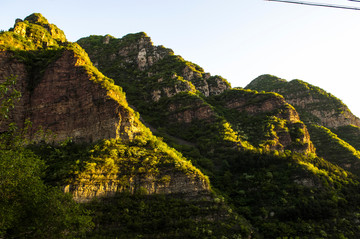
37 18
37 29
265 82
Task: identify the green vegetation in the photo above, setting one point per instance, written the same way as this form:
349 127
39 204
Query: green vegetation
314 97
281 193
161 216
114 160
8 97
334 149
33 33
350 134
264 128
340 148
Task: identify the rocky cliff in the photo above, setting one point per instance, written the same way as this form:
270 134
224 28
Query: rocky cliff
63 95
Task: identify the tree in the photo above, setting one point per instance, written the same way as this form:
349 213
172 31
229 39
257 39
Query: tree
8 97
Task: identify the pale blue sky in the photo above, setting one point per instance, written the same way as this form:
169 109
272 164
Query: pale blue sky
237 39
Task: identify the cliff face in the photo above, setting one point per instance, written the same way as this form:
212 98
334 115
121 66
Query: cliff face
171 182
67 102
12 67
70 104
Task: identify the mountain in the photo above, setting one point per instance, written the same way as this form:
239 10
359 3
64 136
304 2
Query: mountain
253 146
334 130
171 92
149 145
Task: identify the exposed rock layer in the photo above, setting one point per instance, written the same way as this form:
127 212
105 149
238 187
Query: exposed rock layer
68 103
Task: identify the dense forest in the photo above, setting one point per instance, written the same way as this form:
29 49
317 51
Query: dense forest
118 138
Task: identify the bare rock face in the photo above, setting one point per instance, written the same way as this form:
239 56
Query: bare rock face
170 90
267 105
67 102
170 183
334 119
74 106
186 113
141 52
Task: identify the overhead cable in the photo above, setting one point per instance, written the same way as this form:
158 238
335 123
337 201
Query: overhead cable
319 4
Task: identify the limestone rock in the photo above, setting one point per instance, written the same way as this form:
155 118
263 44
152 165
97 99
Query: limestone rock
137 52
185 113
169 182
67 102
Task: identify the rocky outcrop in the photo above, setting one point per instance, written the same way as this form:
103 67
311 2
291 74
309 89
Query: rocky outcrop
331 118
169 90
68 103
241 103
169 182
181 112
330 115
136 49
321 107
265 105
39 31
153 63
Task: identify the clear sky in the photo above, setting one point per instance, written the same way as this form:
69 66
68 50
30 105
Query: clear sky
237 39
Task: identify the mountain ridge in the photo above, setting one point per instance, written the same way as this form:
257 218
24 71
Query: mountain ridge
229 145
324 115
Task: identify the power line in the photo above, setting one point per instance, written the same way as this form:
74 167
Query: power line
319 4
